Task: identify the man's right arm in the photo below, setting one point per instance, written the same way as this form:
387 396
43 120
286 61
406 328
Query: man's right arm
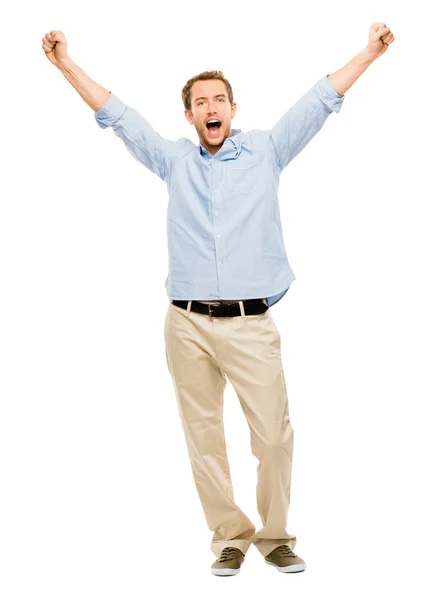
56 49
138 135
94 94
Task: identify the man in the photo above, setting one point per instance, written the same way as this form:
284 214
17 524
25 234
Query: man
227 266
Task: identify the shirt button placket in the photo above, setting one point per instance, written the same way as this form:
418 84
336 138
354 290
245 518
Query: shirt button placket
219 249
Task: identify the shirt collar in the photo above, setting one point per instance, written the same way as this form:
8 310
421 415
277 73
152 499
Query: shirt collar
230 148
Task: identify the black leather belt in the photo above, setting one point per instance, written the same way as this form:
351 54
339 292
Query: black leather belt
251 307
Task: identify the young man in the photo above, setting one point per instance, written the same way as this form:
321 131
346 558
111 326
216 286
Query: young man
227 266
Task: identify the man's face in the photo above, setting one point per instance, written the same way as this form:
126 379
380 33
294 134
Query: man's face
209 100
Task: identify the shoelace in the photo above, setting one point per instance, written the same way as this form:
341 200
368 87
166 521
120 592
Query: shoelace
228 553
285 551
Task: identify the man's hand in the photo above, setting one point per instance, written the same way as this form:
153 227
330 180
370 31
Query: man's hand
56 47
379 38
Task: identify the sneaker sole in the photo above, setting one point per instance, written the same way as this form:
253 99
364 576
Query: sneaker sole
224 572
288 568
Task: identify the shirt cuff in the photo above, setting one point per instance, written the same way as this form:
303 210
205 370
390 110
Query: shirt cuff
328 95
110 112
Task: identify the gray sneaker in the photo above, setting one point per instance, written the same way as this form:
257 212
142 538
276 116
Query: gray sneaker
229 562
285 560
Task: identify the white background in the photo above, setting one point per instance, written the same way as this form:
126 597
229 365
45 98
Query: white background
97 498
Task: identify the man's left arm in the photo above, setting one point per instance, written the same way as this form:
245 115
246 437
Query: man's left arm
379 38
305 118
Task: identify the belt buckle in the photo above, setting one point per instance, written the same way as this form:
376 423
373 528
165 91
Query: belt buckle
210 311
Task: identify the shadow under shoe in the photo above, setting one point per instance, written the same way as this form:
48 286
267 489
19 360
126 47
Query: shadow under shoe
285 560
229 562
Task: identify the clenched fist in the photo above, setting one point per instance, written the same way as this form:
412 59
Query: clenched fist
379 38
56 47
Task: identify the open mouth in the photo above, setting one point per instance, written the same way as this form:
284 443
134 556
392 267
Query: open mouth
213 127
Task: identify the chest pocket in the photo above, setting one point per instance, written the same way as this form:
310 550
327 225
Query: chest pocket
245 177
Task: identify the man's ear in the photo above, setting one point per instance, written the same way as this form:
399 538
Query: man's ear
233 109
188 115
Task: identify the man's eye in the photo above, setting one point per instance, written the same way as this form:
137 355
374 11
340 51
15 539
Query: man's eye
201 101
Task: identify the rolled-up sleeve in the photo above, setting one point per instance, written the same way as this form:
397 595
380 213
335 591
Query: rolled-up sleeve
302 121
138 135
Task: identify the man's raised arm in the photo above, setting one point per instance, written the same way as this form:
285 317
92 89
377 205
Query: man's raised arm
379 38
306 117
141 140
55 47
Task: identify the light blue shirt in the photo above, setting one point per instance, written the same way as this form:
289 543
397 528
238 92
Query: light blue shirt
224 233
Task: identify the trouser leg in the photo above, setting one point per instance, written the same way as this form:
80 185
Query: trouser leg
250 352
199 384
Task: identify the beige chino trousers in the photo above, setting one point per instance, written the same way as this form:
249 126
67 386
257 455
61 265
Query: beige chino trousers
201 352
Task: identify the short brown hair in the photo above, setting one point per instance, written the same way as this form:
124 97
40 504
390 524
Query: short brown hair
185 94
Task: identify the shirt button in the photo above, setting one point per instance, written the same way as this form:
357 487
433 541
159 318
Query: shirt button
217 213
221 262
218 235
